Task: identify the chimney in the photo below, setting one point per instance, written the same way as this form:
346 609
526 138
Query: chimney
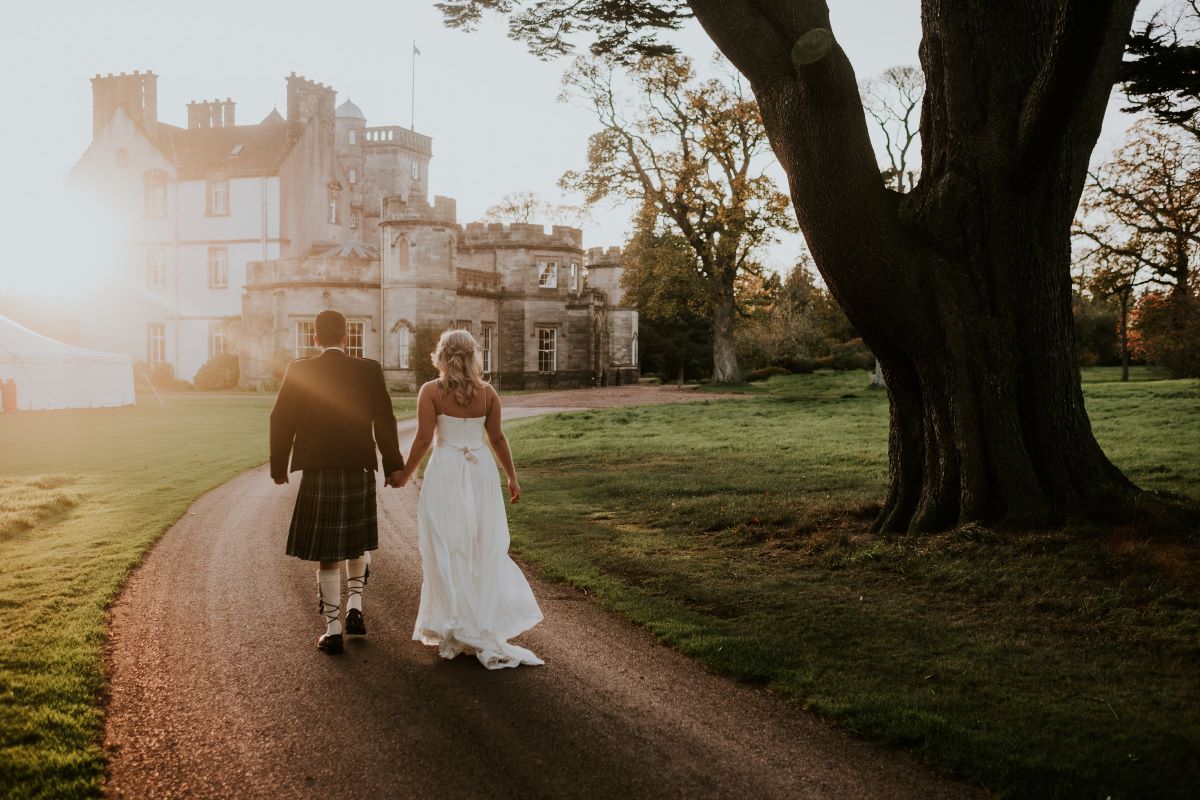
210 114
136 94
199 115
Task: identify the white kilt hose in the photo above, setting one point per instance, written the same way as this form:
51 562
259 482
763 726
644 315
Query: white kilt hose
335 516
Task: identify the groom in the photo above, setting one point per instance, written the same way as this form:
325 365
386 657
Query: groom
323 419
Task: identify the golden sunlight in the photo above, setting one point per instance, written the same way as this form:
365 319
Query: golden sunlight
56 261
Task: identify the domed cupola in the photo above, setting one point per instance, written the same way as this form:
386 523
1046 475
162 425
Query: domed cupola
348 110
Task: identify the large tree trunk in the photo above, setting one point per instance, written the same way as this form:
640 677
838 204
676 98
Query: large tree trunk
962 287
725 366
1124 336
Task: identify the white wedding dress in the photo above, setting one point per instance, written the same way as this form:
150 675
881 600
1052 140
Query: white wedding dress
474 598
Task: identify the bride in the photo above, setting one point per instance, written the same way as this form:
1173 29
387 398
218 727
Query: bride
474 598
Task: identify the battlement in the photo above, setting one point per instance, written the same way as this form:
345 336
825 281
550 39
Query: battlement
396 136
396 209
493 234
307 99
603 257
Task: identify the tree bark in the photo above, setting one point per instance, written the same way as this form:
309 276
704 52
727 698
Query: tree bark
973 326
1124 336
725 366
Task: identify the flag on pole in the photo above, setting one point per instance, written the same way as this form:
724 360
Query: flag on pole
416 51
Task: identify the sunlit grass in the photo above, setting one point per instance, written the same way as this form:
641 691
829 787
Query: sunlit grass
82 496
1060 663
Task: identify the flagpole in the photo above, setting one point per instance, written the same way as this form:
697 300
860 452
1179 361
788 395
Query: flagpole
412 119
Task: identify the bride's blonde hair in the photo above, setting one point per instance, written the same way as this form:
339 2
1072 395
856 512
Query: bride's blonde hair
460 365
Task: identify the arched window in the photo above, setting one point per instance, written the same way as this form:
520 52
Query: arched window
405 345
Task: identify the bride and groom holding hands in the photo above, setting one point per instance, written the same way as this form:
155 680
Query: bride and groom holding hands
331 413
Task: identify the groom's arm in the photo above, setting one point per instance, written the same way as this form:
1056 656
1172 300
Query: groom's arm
384 419
285 419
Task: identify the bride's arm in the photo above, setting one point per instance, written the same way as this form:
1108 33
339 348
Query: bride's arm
499 442
426 425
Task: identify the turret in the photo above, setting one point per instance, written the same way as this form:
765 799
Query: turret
604 273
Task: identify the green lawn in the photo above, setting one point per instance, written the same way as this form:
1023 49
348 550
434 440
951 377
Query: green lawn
1051 664
82 495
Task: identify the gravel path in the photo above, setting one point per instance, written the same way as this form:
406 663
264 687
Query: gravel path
217 689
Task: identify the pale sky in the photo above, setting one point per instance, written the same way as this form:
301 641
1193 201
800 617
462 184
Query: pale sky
490 107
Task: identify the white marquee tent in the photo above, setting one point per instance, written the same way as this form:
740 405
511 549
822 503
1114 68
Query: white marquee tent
50 374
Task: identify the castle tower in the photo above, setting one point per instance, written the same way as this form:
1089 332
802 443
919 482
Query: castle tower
620 335
419 244
136 94
351 125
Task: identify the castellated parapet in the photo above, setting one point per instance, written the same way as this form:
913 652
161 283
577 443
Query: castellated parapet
518 234
381 136
603 257
444 210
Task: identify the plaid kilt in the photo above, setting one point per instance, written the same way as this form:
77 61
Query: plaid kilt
335 516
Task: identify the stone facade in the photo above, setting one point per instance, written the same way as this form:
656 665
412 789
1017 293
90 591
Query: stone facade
235 236
547 311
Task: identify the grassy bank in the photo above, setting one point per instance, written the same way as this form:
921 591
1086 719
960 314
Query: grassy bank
82 495
1052 664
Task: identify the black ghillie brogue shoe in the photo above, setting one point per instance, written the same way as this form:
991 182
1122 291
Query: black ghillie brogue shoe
355 626
330 644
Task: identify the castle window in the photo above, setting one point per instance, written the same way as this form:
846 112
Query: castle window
236 151
548 274
405 345
353 138
416 170
155 195
574 276
306 339
216 338
218 268
486 335
333 204
633 343
156 344
353 174
401 241
547 349
354 339
218 198
156 269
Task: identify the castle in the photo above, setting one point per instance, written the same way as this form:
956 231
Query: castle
235 236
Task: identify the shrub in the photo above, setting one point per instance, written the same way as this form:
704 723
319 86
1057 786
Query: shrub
279 363
852 355
766 372
424 342
161 377
220 373
796 364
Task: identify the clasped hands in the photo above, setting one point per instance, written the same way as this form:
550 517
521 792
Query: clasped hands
396 480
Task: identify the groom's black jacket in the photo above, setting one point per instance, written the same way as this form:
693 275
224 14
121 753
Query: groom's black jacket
323 416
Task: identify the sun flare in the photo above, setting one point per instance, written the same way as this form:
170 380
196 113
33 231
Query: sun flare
56 262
